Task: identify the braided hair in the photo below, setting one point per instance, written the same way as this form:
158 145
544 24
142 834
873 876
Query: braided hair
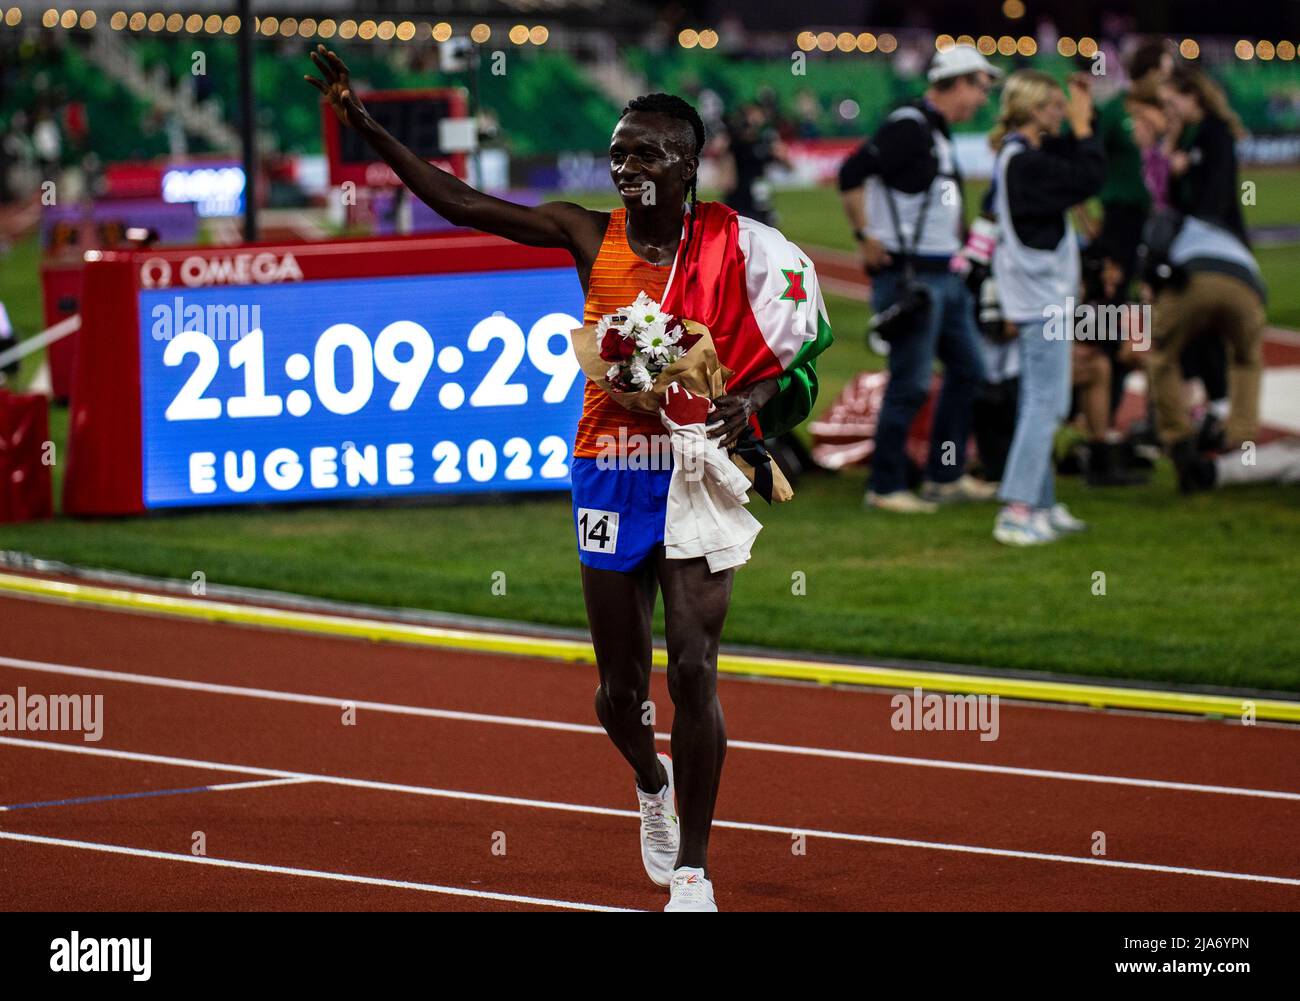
674 107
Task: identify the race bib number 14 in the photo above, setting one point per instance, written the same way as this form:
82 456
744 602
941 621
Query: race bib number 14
597 530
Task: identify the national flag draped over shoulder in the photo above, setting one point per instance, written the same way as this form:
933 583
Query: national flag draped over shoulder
758 294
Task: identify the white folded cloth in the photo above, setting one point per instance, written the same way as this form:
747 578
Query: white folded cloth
706 502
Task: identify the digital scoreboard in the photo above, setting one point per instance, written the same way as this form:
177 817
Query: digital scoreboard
323 371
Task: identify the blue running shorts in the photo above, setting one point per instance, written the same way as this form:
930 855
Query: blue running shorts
618 514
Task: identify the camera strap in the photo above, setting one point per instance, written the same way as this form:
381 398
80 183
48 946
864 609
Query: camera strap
909 254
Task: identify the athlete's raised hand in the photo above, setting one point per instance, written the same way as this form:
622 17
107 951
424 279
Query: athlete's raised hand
337 87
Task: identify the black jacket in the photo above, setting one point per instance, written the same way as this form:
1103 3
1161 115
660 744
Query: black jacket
1043 183
1209 189
901 153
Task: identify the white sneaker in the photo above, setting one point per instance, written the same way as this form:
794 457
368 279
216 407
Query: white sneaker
1063 521
1031 529
900 502
691 891
660 830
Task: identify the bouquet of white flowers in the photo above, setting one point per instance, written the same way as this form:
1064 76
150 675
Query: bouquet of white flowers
638 352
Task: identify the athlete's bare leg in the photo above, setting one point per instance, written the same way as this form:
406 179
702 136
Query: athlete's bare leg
620 610
695 607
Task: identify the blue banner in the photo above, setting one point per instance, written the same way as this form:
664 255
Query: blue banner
331 390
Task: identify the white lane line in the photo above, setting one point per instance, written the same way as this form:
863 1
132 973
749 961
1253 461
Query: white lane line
544 724
150 794
232 786
605 811
281 870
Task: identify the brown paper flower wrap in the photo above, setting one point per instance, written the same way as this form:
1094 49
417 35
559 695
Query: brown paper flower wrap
698 371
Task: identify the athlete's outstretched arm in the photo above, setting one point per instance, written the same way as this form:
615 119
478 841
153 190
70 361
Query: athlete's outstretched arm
555 224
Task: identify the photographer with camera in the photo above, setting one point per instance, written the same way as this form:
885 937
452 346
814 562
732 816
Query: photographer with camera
1038 177
902 193
1207 283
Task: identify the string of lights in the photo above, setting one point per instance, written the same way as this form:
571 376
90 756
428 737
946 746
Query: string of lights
481 33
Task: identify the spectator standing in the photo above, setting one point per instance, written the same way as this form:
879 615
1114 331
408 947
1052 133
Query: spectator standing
902 193
1039 175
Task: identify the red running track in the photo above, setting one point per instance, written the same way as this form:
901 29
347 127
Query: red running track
426 804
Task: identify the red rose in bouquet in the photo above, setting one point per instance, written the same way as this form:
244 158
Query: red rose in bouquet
615 346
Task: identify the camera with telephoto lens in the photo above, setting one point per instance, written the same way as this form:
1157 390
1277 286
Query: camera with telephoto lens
988 314
905 315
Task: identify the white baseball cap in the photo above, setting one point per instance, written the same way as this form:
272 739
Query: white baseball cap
958 61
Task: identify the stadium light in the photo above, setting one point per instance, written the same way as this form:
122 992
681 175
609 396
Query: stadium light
1067 47
348 29
289 27
518 34
69 19
867 42
887 43
1007 45
845 41
987 44
965 40
367 30
441 31
1286 51
1013 9
1264 50
480 33
13 16
1189 49
806 41
88 20
50 18
540 34
327 28
231 25
944 42
1087 47
1244 50
1026 46
307 27
137 21
825 41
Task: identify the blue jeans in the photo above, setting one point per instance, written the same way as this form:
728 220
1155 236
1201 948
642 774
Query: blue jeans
948 333
1030 477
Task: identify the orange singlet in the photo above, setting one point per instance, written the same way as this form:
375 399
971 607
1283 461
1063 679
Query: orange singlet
617 275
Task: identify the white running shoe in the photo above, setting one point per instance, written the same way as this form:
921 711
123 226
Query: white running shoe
691 891
660 830
1063 521
1032 529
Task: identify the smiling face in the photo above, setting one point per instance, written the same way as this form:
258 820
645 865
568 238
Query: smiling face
649 148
